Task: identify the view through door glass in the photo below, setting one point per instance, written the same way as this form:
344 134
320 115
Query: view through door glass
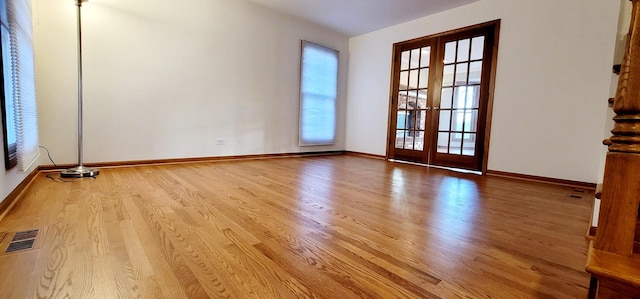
440 98
412 99
459 96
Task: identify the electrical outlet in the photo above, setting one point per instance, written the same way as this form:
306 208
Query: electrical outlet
219 141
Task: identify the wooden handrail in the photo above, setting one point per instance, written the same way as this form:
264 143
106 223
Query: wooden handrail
612 260
621 185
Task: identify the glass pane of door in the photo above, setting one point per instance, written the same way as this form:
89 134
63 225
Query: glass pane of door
459 96
411 109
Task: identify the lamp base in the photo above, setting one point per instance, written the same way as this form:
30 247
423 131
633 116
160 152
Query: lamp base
79 172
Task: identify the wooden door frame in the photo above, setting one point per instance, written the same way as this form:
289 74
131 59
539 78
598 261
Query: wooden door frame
495 24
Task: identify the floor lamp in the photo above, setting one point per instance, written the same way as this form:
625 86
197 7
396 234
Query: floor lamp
80 170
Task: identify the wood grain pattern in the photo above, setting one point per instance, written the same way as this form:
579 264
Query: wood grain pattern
607 265
341 226
619 204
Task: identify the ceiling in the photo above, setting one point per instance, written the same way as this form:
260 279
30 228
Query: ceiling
356 17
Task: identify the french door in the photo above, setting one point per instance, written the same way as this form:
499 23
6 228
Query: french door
440 98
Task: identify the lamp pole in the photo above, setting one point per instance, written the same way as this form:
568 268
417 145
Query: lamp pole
80 170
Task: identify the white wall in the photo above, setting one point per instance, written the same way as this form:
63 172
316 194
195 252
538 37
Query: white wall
553 76
12 178
164 79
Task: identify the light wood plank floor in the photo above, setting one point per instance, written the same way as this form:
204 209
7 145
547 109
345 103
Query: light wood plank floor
313 227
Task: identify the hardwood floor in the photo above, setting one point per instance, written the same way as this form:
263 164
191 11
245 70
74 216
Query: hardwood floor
313 227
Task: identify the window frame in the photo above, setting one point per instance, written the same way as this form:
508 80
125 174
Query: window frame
10 149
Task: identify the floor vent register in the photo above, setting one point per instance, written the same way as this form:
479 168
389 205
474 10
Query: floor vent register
22 241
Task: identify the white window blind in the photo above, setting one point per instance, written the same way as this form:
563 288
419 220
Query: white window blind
318 94
23 82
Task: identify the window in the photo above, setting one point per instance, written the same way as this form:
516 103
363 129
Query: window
19 116
318 94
